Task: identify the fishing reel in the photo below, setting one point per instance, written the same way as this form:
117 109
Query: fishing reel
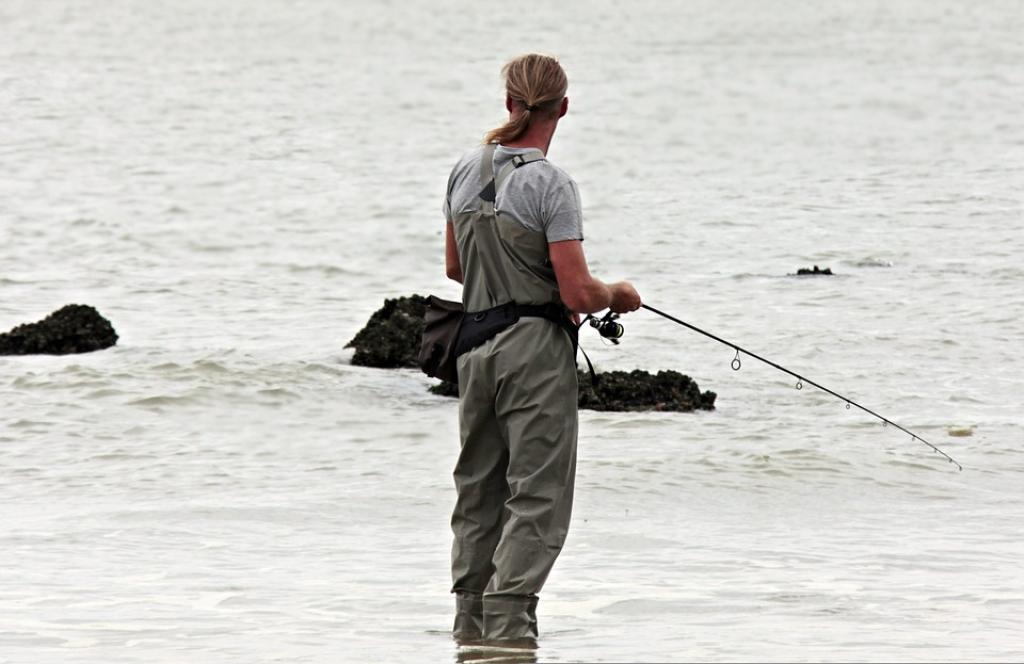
608 327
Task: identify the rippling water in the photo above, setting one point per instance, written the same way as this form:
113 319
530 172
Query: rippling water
237 186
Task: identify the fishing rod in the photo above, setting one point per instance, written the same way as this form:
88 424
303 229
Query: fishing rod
611 329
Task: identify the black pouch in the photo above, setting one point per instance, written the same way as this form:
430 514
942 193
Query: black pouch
442 321
481 326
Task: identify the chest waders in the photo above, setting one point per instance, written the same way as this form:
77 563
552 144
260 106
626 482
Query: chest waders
517 424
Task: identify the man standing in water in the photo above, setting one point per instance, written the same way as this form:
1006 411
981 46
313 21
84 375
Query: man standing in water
514 235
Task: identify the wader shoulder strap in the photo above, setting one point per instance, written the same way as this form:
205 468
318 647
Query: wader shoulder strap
487 173
517 161
490 186
487 164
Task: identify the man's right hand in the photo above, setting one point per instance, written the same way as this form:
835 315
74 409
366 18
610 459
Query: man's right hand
624 297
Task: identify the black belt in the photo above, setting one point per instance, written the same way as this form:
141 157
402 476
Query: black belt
481 326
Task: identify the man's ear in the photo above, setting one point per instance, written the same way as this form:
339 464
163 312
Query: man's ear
565 107
508 103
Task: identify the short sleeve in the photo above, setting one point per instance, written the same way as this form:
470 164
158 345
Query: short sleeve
563 216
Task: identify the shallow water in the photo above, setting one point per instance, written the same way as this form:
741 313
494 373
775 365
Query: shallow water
237 187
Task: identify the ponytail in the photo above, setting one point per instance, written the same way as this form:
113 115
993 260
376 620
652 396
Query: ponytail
537 84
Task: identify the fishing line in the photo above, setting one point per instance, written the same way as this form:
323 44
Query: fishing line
800 380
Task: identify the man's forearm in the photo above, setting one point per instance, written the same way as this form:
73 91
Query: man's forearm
593 297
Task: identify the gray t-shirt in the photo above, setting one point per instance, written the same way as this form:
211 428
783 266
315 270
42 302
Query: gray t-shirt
539 195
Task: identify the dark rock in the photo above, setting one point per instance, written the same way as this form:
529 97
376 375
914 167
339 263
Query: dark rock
633 390
74 328
817 270
391 338
640 390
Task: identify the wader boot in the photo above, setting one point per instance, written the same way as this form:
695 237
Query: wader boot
469 617
517 421
511 618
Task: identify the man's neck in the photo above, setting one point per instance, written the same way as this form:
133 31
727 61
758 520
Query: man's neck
536 136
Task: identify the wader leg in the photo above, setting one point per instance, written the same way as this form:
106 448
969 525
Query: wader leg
482 490
536 403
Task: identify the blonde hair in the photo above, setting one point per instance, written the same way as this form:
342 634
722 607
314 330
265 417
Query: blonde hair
539 84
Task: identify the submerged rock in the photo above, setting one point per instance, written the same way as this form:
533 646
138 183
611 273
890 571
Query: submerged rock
391 338
633 390
74 328
817 270
445 388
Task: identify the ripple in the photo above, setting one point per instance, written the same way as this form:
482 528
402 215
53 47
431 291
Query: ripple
641 607
162 400
869 262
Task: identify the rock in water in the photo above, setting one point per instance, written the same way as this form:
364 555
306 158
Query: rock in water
639 390
633 390
806 271
74 328
445 388
391 338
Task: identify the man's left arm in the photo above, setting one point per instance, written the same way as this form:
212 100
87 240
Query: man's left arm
452 267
